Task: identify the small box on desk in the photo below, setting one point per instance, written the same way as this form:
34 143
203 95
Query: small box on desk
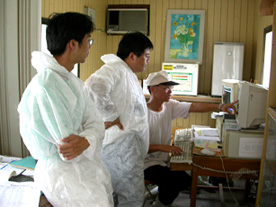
242 144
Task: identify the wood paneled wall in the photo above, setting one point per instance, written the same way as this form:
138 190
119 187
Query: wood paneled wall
195 119
225 21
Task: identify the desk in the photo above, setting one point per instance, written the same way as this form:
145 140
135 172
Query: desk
230 165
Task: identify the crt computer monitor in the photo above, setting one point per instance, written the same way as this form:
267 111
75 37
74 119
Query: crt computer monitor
230 89
251 107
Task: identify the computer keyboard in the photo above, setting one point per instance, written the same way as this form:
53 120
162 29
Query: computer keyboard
184 139
187 154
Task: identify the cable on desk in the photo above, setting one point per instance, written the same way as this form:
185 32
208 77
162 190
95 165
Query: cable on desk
247 172
240 172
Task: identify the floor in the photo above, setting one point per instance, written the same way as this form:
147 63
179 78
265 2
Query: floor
205 198
211 198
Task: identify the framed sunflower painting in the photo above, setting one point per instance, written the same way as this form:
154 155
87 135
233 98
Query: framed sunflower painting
184 36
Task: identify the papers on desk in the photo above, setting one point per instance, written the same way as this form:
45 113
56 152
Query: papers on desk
214 115
207 138
6 172
12 166
210 134
5 159
207 144
13 194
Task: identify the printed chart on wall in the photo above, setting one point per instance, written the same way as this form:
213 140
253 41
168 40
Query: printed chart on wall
184 74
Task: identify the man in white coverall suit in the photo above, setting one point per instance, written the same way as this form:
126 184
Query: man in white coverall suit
119 97
59 123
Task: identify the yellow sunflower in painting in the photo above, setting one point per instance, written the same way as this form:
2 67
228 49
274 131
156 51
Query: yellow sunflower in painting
175 23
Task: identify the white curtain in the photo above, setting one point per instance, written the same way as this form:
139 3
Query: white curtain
20 22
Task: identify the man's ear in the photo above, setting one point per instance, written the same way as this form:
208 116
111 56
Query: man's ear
72 44
132 56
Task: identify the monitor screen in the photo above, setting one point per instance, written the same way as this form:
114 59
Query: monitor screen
229 90
252 105
227 93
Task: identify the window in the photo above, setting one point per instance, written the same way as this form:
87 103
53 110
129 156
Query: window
267 55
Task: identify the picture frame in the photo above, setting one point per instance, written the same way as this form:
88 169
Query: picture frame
184 36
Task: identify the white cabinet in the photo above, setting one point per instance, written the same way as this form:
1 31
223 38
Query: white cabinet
227 64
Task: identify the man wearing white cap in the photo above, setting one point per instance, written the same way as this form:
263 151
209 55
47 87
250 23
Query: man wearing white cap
161 112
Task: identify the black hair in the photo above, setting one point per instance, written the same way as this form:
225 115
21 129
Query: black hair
135 42
63 27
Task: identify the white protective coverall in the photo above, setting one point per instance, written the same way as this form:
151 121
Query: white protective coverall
117 93
54 106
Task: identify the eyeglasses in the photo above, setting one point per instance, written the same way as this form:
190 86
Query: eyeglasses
91 42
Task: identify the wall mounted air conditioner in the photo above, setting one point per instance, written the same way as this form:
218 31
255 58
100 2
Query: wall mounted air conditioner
122 19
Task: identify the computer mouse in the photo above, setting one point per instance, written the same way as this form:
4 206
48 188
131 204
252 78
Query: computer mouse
206 151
